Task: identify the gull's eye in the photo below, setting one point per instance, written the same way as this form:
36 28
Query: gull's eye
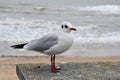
62 26
66 26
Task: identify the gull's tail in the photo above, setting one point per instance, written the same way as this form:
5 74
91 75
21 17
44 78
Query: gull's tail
18 46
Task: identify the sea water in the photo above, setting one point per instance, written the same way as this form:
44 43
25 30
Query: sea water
97 23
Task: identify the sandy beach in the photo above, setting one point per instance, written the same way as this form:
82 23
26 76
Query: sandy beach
8 70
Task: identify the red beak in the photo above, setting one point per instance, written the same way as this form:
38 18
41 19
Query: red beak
73 29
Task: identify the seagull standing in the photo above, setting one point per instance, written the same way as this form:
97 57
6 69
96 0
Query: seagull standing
51 44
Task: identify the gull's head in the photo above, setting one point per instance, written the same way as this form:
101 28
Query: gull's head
67 27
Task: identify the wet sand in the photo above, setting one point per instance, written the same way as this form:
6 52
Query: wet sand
8 71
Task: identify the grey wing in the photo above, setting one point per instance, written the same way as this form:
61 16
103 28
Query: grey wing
42 44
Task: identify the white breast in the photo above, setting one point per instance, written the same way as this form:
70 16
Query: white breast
64 43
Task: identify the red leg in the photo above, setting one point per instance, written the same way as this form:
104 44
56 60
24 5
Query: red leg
53 68
54 63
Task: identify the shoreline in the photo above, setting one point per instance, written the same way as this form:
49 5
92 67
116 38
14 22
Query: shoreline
59 59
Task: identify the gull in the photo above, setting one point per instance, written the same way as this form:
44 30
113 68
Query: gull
51 44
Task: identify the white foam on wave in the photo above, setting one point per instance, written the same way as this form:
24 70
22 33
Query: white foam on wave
26 22
91 34
114 9
25 30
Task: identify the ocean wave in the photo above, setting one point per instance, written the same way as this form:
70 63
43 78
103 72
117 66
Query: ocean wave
92 34
113 37
113 9
5 7
25 30
26 22
48 9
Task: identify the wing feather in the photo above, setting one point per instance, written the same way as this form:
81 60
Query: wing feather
42 44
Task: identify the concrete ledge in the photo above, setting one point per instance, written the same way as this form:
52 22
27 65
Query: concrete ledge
70 71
